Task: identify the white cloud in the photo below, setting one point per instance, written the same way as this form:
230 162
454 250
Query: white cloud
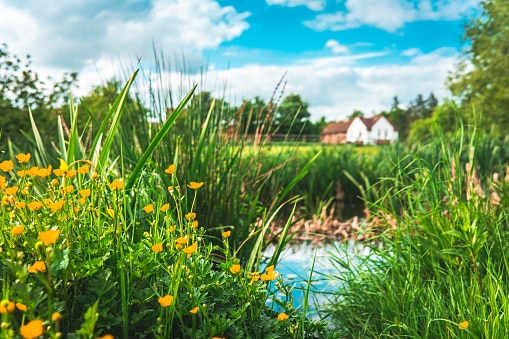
334 87
390 15
336 47
314 5
105 29
411 52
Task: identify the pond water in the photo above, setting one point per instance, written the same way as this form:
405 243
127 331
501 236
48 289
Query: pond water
296 262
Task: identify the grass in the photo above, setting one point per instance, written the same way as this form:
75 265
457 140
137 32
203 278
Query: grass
438 267
105 243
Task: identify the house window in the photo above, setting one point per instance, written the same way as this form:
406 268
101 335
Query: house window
385 134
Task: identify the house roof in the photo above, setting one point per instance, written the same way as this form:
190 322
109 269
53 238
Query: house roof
337 127
342 126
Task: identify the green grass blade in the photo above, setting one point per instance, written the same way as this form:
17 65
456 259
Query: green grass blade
115 113
158 138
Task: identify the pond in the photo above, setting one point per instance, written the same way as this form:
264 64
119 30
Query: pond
296 263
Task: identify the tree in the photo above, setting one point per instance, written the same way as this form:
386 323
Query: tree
292 116
356 113
482 78
22 89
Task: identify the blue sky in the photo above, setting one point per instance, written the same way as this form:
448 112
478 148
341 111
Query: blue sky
339 55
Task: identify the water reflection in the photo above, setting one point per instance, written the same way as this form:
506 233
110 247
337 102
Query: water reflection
295 264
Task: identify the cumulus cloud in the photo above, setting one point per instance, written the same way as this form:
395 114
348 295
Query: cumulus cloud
106 29
314 5
390 15
336 47
334 87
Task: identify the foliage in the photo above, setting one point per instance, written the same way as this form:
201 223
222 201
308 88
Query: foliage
482 77
292 116
436 269
22 89
90 248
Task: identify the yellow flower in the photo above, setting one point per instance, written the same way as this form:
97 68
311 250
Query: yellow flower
171 169
117 184
44 172
226 234
463 325
83 169
11 190
149 208
33 171
164 208
20 205
63 165
35 205
194 310
165 301
190 249
106 336
190 216
56 206
23 158
157 247
68 189
82 201
182 240
21 173
38 266
282 316
49 237
54 182
270 275
194 224
172 228
3 182
6 306
195 185
111 212
70 173
254 276
235 269
17 230
56 316
21 307
85 193
218 338
6 165
32 330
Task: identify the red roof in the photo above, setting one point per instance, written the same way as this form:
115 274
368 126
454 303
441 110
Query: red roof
337 127
342 127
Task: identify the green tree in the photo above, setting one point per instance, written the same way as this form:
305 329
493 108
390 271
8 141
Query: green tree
22 89
356 113
399 118
255 115
292 116
482 78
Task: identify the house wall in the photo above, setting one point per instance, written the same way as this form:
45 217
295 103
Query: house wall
357 132
382 130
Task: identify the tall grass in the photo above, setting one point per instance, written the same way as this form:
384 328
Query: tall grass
111 241
438 267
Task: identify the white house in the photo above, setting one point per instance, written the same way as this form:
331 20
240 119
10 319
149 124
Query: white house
374 130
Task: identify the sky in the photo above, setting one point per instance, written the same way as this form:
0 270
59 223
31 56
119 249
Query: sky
338 55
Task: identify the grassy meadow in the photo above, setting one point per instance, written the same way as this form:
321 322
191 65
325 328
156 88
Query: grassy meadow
142 230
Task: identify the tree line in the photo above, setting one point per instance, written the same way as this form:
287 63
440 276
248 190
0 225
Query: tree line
478 87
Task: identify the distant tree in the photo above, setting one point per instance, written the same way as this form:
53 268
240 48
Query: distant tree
482 78
292 116
356 113
317 127
22 89
445 120
253 114
399 118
